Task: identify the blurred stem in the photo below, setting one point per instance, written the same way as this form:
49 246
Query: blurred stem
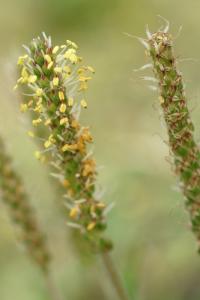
53 291
114 276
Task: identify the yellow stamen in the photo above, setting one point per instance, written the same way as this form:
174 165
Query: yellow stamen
61 95
31 133
58 70
36 122
23 107
63 108
70 101
50 65
64 121
83 103
47 58
32 78
55 49
91 226
39 92
55 81
74 212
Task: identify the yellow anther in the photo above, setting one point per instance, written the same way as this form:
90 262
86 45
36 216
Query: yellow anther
161 99
21 59
47 57
37 154
61 95
64 121
75 124
63 108
83 103
55 81
58 70
70 43
68 147
30 133
47 144
91 226
36 122
50 65
67 69
65 183
32 78
55 49
91 69
70 101
30 103
39 92
23 107
71 55
74 212
47 122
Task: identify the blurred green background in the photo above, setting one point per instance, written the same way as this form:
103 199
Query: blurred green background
154 248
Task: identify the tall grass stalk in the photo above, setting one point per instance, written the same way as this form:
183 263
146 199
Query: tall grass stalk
173 101
23 216
55 80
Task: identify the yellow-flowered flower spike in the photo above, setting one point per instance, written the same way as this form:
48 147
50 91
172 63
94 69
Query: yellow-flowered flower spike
63 108
56 80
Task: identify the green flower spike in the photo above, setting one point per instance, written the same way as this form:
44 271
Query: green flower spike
22 214
185 152
55 81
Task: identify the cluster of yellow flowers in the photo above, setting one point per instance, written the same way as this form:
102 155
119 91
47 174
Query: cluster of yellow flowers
56 81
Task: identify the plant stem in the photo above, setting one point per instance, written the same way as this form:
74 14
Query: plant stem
114 276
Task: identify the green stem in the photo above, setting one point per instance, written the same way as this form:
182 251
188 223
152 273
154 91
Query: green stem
114 276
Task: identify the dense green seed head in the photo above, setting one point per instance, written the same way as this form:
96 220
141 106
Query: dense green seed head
179 125
55 80
21 213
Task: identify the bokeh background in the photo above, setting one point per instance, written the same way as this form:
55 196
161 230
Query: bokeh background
154 248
